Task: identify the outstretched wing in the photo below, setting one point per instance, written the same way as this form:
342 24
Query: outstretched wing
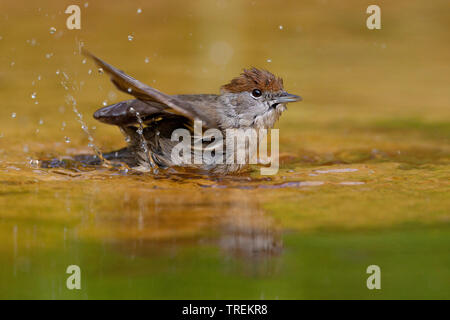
143 92
124 112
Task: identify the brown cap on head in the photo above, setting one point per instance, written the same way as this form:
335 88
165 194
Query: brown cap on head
254 79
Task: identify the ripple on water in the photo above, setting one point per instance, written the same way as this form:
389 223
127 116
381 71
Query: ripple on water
336 170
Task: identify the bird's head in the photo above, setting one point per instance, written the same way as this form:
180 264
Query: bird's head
257 98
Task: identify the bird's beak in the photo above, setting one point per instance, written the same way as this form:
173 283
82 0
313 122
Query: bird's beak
287 97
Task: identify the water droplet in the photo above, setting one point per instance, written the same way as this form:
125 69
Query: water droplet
13 115
34 163
130 37
269 60
49 55
89 71
147 60
41 122
100 70
57 71
139 10
25 148
84 61
67 139
129 90
52 30
33 95
39 77
105 103
280 27
12 64
86 4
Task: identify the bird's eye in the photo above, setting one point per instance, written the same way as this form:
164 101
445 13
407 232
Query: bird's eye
256 93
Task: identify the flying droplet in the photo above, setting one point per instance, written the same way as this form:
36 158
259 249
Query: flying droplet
84 61
67 139
130 37
139 10
41 122
57 71
269 60
33 95
100 70
147 60
129 90
52 30
13 115
86 4
105 103
280 27
89 71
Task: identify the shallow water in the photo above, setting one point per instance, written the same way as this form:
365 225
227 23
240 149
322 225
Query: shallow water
364 175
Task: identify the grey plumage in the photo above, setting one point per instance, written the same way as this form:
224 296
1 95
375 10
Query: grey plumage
162 114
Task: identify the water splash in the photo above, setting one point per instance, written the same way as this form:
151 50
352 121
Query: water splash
84 127
149 160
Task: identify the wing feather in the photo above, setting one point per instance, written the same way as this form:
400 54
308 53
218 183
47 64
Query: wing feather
144 92
120 113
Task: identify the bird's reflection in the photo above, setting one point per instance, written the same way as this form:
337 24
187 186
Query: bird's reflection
153 222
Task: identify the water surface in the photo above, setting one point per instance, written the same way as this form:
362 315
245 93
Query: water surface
364 175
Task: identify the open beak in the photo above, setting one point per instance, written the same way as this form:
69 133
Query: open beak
287 97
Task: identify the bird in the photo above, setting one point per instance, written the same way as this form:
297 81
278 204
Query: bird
253 100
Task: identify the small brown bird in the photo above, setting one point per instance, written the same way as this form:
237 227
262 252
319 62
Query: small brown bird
255 99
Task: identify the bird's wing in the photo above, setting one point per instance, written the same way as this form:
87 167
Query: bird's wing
143 92
124 113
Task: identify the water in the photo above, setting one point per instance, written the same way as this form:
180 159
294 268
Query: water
151 166
364 158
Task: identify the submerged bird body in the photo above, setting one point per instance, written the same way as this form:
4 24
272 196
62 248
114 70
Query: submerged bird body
255 99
